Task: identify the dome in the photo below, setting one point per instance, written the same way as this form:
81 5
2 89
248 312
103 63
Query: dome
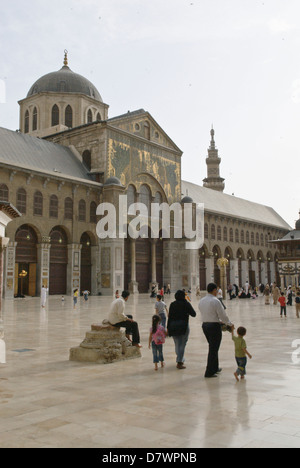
187 200
64 81
113 181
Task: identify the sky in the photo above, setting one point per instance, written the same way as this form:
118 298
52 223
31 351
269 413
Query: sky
233 64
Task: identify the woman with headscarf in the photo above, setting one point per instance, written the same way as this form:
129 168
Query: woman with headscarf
178 325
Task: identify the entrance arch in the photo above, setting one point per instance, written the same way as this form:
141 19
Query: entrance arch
26 261
58 261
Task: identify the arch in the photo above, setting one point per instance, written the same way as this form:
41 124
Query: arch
219 233
55 116
89 116
260 256
69 117
4 193
53 207
206 231
240 254
242 236
26 122
228 253
58 261
35 119
237 236
98 118
82 211
231 239
68 208
21 200
145 196
38 204
26 260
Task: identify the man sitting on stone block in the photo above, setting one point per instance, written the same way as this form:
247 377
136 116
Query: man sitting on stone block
118 319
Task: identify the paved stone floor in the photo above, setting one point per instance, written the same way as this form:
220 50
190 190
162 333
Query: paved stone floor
47 401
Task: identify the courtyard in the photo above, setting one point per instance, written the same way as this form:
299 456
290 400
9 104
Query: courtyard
47 401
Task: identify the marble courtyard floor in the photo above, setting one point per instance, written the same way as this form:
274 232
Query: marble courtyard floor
47 401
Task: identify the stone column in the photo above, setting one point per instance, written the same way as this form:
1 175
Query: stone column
153 264
9 271
43 268
222 264
74 266
133 285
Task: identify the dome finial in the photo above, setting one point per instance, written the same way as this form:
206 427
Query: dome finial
66 58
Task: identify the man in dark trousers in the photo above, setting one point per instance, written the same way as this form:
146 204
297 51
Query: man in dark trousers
213 315
117 318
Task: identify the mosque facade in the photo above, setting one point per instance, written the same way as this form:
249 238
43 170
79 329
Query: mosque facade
69 157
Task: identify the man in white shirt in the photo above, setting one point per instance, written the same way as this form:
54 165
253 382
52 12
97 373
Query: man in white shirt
213 315
119 319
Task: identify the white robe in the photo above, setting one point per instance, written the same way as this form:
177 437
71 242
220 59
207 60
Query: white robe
44 296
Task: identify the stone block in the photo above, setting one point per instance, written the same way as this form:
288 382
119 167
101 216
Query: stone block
104 345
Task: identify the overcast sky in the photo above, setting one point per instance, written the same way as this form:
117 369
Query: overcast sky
190 63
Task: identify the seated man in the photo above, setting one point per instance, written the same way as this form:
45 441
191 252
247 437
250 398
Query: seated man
117 318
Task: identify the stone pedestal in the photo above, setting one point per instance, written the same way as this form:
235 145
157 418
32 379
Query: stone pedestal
104 345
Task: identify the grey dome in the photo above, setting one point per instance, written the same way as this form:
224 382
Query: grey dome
187 200
113 181
64 81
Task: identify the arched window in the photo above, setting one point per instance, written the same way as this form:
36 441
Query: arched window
38 204
231 235
55 116
26 127
213 232
3 192
145 197
99 117
237 236
34 119
262 240
225 234
87 159
206 231
53 207
82 210
21 200
69 117
257 238
247 237
93 210
68 208
242 237
89 116
219 233
252 238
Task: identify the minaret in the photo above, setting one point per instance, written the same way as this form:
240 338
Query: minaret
213 180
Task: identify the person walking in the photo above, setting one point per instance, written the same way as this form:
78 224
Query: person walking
44 293
241 352
297 301
282 301
276 294
267 294
213 315
178 325
157 339
161 310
